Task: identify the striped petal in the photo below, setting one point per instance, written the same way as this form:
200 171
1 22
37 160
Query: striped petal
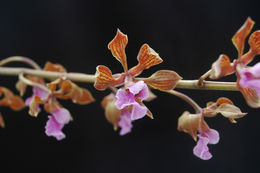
117 47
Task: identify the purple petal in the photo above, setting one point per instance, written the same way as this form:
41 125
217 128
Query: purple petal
62 116
255 70
136 87
124 99
125 122
53 128
250 80
138 111
28 100
201 150
144 93
212 135
38 92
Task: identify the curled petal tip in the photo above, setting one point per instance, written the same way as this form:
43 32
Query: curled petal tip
147 58
222 67
254 41
241 35
117 47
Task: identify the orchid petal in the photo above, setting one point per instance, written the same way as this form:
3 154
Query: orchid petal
138 111
201 150
212 135
125 122
144 93
53 128
136 87
124 99
62 116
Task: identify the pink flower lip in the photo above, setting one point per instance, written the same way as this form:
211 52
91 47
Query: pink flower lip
125 122
201 150
127 98
56 122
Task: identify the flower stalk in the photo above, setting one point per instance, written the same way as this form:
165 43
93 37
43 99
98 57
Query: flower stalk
88 78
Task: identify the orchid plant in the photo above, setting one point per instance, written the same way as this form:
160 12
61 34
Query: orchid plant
125 103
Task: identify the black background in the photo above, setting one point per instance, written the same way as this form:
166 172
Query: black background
188 35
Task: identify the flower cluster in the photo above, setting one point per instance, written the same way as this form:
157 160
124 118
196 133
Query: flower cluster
126 105
247 77
47 95
196 126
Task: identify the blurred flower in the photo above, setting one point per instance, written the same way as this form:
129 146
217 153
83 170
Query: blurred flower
36 92
250 78
56 122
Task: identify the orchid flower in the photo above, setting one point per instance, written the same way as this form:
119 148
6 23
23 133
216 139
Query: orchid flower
196 126
129 98
223 66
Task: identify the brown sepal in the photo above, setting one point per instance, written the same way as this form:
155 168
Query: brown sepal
222 67
11 100
254 42
21 87
241 35
2 122
147 58
112 114
52 105
163 80
190 123
104 78
54 67
34 108
225 107
69 90
223 100
230 111
117 47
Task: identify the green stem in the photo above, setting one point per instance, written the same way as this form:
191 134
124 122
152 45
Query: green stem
87 78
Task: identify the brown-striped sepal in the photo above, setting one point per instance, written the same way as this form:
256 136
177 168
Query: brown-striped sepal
163 80
222 67
11 100
117 47
104 78
147 58
54 67
241 35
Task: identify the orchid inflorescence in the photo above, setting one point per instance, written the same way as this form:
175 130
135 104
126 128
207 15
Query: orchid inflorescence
124 104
